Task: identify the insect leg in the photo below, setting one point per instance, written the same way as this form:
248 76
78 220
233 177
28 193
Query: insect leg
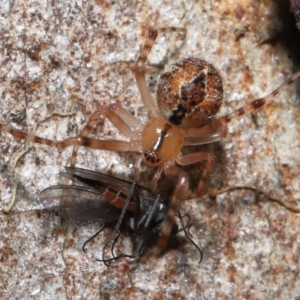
120 220
91 238
186 230
141 239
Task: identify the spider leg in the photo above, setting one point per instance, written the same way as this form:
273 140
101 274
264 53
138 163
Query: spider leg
216 129
112 145
211 132
139 67
123 120
195 157
137 168
178 193
156 177
257 103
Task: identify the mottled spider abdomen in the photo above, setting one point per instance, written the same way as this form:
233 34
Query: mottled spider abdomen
190 92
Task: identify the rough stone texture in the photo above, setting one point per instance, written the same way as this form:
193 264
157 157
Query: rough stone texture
70 56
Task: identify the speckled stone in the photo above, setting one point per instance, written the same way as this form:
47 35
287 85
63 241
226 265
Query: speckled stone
72 56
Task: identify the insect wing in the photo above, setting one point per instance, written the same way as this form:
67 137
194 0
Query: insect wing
82 176
89 200
81 204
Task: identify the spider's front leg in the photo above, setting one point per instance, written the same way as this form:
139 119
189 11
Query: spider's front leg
171 170
209 162
122 119
139 67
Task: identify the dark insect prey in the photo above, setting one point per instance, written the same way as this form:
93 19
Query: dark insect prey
120 205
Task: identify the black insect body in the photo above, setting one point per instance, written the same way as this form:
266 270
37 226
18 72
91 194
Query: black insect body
123 206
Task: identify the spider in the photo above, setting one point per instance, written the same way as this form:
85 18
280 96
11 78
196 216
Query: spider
115 203
189 95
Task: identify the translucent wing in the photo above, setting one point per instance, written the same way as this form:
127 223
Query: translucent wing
140 199
116 203
91 199
99 178
81 204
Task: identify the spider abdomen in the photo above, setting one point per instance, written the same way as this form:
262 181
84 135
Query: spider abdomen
190 92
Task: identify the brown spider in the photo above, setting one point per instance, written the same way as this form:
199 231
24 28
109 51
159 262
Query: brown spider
188 96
